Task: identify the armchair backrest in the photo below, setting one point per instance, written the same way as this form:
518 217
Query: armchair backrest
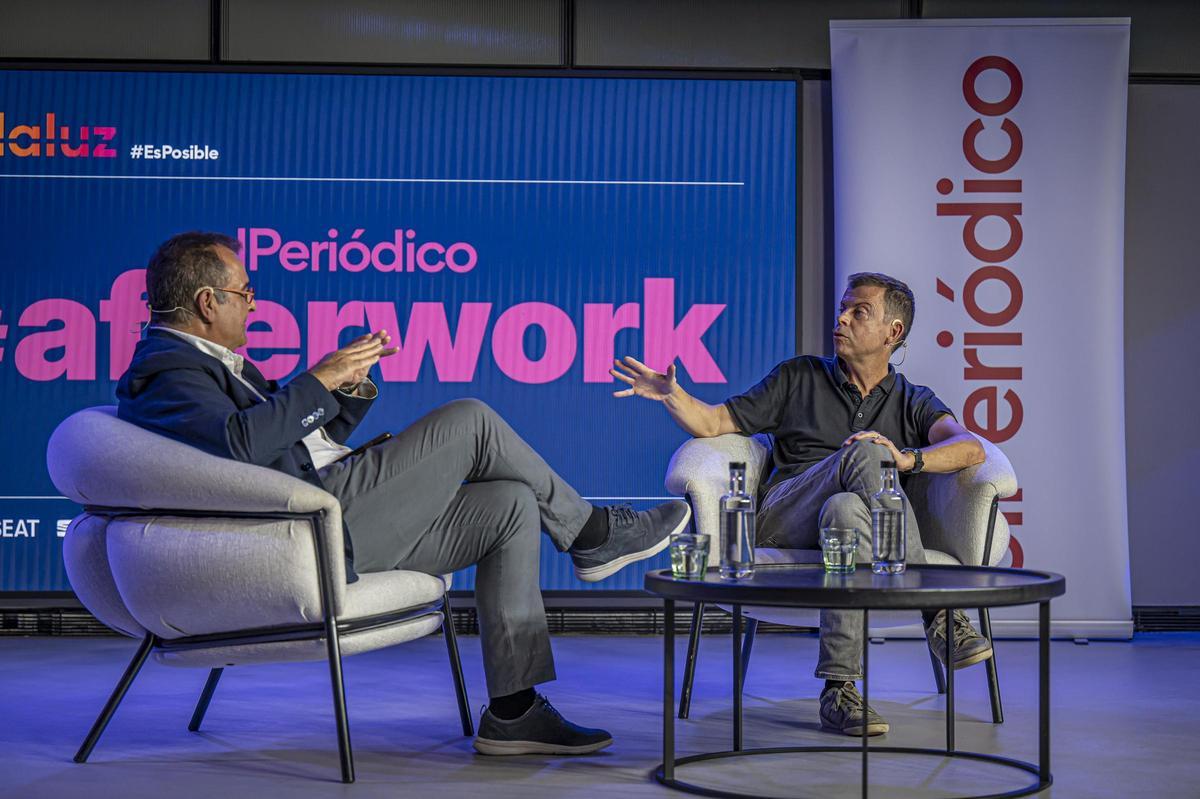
699 470
176 571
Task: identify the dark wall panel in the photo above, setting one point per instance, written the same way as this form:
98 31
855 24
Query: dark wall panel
815 315
729 34
1162 326
1163 37
154 30
479 32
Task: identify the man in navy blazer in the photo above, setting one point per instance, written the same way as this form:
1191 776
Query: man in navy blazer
194 397
456 488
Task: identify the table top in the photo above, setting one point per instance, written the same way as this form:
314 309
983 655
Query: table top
807 585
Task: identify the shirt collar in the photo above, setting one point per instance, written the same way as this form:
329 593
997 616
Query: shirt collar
231 359
885 385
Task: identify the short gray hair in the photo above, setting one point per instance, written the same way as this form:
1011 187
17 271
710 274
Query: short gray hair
180 267
898 298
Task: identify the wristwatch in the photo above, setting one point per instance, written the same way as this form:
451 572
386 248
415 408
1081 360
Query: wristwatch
919 462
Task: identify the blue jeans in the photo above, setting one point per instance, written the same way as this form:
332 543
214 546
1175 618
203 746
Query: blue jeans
834 493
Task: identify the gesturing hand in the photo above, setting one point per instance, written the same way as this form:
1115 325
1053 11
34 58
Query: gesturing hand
643 381
349 365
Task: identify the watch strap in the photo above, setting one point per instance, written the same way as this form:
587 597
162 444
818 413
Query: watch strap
919 460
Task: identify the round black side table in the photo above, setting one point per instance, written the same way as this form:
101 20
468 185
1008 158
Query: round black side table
920 587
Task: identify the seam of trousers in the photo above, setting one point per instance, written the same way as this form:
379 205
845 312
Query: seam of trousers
519 681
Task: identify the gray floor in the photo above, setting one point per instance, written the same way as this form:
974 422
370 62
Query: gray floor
1126 723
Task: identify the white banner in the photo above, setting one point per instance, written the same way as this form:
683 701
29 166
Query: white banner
983 163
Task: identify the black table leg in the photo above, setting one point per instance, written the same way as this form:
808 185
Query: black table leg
949 680
1044 691
737 678
669 689
689 668
866 637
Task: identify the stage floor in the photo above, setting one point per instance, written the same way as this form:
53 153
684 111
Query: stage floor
1125 723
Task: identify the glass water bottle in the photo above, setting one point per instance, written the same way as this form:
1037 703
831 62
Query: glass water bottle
737 527
889 517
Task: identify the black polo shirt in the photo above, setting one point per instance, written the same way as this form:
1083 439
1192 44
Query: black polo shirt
810 407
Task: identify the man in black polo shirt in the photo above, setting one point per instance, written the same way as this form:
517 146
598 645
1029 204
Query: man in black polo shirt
834 421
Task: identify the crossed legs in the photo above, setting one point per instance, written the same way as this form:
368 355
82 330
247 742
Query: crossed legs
458 488
834 493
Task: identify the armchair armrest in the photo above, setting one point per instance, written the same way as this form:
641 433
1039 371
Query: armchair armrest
953 509
699 470
94 458
98 460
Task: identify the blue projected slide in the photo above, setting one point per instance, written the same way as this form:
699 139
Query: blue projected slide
516 232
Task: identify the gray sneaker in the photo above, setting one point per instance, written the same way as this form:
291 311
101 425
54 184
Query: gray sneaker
842 711
969 646
541 731
632 536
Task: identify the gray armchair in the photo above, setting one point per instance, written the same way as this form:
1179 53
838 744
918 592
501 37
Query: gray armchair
215 563
957 515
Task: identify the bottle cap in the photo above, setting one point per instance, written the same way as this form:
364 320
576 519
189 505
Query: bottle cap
888 464
737 465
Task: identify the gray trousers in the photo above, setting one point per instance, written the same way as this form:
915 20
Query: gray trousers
834 493
459 488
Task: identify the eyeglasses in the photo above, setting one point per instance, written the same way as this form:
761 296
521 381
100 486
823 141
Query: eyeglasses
247 295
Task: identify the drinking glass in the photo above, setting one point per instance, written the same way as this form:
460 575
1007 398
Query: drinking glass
838 546
689 555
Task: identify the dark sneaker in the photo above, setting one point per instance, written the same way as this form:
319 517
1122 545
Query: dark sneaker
969 646
842 711
541 731
632 536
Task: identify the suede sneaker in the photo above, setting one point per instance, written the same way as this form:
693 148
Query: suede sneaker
541 731
842 711
632 536
969 646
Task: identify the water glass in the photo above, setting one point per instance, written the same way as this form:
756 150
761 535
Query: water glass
689 555
838 547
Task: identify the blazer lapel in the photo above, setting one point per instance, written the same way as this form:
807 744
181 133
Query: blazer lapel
256 379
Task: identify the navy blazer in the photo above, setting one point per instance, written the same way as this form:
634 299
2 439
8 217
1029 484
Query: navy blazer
174 389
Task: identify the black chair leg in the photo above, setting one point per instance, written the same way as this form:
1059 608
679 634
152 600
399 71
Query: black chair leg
334 652
747 646
689 668
110 707
993 678
939 675
206 696
460 685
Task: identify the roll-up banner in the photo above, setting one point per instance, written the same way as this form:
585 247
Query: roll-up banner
983 162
